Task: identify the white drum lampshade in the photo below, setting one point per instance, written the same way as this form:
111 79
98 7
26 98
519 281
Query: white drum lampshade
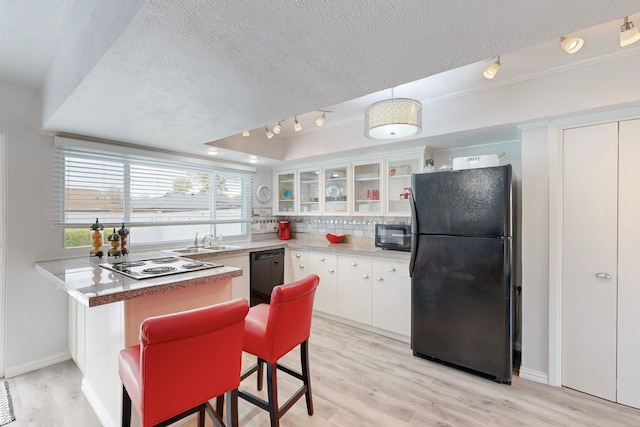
393 118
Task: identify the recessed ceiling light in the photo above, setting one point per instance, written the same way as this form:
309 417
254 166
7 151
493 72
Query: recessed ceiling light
253 159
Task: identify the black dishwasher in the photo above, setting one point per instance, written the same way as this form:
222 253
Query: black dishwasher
266 271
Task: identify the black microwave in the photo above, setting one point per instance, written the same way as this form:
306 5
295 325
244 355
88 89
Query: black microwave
393 236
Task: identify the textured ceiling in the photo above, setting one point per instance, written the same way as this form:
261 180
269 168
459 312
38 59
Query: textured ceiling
176 74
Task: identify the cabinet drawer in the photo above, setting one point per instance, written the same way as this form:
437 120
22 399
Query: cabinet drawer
299 256
348 263
391 268
319 259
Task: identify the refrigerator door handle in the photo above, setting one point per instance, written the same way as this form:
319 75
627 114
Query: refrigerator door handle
414 230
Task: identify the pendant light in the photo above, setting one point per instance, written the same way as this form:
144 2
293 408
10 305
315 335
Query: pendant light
393 118
629 33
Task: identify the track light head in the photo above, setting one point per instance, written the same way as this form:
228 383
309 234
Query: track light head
277 128
245 133
296 125
491 71
571 45
320 120
268 132
629 33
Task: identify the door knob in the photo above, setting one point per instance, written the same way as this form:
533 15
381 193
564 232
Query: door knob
603 275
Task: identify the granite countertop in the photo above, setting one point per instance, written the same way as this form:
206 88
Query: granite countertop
85 280
302 244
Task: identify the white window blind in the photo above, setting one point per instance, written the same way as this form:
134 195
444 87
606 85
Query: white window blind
144 192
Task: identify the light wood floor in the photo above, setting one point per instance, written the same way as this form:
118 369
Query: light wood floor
358 379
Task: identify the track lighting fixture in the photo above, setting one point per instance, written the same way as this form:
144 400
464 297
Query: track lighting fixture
571 44
296 125
491 71
629 33
245 133
268 132
320 120
277 128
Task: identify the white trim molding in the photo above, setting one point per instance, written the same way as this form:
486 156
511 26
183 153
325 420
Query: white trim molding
533 375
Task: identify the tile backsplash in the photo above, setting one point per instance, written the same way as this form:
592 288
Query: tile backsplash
356 228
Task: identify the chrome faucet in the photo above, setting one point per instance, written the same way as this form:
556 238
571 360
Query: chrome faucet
208 236
195 241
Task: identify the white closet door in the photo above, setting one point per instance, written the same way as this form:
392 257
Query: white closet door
589 256
629 265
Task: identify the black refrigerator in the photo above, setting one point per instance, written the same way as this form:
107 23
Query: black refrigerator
461 263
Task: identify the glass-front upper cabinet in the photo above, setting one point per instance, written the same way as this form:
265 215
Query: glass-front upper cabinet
367 189
285 196
336 190
399 172
309 197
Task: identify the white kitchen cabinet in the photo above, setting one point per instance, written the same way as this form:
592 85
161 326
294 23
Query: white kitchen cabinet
325 265
391 296
600 272
297 266
309 183
336 189
76 333
367 188
285 192
354 288
398 182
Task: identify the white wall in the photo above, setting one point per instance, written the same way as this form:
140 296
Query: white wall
36 319
535 252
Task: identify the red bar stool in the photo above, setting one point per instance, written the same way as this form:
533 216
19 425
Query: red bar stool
273 330
184 360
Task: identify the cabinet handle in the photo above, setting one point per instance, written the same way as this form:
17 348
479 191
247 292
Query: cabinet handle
331 270
603 276
365 276
392 269
379 279
321 258
355 264
297 255
301 265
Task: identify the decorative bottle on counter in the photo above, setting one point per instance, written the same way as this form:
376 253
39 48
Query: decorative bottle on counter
96 239
114 238
124 235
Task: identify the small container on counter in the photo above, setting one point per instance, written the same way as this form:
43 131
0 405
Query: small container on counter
96 237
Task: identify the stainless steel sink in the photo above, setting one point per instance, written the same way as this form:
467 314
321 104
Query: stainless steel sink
205 250
222 247
193 250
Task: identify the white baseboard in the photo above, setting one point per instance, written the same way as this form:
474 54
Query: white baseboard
533 375
12 371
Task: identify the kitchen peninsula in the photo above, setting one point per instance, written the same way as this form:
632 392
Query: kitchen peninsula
110 307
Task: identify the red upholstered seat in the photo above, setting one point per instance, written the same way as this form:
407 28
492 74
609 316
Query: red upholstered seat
271 331
184 360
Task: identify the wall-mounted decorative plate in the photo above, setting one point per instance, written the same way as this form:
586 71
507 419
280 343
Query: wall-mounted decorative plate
263 193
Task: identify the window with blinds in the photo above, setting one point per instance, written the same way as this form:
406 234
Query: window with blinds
157 199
